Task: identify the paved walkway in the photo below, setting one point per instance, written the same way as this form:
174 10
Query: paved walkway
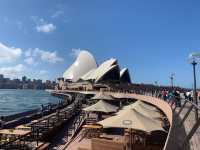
62 138
80 142
194 143
179 133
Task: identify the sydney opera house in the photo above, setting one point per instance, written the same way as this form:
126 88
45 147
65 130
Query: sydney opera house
86 70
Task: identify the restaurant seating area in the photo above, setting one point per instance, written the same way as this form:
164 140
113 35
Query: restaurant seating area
134 126
36 134
103 124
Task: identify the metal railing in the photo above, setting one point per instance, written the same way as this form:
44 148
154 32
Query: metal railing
176 114
196 124
180 123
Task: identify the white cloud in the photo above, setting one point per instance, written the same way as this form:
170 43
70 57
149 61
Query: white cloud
28 53
44 55
42 72
75 52
13 71
57 14
29 60
42 25
50 57
9 54
46 28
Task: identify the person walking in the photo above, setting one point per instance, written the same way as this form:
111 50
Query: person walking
2 122
42 110
170 96
164 95
177 98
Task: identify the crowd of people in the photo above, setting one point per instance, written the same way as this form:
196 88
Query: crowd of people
173 95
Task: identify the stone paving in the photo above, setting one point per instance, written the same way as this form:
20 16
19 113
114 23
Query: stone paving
194 143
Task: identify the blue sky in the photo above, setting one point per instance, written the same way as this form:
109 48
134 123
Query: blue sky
151 38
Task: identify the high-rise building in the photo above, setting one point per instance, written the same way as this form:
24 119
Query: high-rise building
1 76
24 78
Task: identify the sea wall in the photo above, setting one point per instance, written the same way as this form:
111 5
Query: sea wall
27 116
22 114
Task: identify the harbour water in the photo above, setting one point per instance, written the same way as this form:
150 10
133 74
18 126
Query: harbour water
16 101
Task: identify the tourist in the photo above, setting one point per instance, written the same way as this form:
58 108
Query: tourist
42 110
61 103
198 95
170 96
2 122
185 95
177 98
58 114
164 95
189 96
50 107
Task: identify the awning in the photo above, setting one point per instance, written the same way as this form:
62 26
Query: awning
142 104
102 96
132 119
101 106
143 108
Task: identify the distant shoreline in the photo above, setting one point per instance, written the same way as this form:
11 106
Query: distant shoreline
28 89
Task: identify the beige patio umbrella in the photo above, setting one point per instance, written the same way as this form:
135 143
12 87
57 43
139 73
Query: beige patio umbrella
140 107
142 104
132 119
102 96
101 106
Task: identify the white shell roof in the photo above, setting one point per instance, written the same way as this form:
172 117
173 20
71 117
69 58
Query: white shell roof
123 71
83 64
97 74
104 71
88 75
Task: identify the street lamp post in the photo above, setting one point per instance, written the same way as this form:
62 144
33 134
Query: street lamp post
172 79
194 58
194 88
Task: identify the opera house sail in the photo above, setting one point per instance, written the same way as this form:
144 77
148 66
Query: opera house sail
125 76
84 63
85 68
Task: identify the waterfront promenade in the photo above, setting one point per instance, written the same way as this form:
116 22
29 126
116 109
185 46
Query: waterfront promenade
179 133
84 143
44 128
194 142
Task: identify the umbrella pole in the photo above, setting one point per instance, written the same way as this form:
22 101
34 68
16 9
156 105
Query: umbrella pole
131 140
133 135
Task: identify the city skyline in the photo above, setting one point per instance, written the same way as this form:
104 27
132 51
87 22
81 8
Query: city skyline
41 39
25 83
26 78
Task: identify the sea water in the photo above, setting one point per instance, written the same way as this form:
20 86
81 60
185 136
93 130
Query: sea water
16 101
